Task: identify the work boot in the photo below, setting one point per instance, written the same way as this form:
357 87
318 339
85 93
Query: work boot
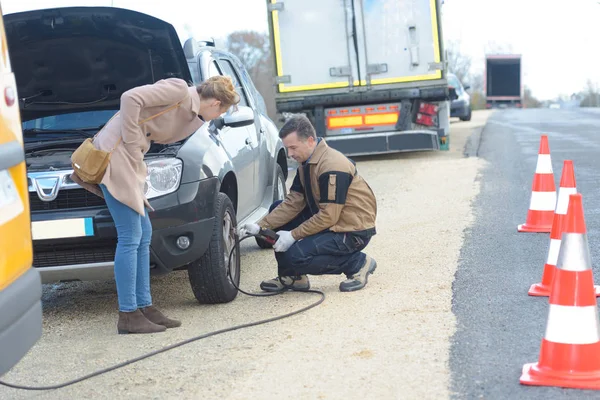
359 279
159 318
136 322
299 283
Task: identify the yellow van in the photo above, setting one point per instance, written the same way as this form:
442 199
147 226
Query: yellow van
20 284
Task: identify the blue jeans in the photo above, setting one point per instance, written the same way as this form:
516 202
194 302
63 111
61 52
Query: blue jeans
323 253
132 259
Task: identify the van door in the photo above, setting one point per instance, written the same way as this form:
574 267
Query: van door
400 41
319 51
20 284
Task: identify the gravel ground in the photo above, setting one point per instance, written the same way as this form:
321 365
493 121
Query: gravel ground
390 340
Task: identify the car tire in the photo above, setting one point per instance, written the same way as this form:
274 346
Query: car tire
279 193
468 117
209 276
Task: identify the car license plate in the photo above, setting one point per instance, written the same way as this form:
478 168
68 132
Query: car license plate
10 202
62 228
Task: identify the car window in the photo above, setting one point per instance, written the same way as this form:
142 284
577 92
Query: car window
253 94
229 71
80 120
213 69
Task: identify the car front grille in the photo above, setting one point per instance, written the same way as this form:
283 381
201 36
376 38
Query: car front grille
51 257
66 200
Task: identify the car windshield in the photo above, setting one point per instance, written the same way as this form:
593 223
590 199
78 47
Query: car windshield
79 120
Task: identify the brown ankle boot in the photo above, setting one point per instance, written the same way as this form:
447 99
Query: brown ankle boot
136 322
158 318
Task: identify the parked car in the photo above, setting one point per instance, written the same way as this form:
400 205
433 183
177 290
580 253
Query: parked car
461 106
20 285
73 64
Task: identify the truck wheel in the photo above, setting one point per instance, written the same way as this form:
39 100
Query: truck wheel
278 194
209 275
468 117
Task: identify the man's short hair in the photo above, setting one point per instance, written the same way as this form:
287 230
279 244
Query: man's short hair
300 124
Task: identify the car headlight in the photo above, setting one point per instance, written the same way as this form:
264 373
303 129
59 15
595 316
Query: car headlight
164 176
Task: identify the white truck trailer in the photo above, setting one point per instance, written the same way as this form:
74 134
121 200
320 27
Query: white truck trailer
370 74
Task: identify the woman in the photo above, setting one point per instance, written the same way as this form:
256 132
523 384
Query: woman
164 112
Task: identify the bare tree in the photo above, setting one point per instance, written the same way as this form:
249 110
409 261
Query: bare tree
528 100
252 48
591 95
458 63
476 82
493 47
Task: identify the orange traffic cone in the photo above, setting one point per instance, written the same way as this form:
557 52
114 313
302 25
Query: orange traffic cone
567 187
543 195
570 350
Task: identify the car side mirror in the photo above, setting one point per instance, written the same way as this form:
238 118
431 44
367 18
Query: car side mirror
466 87
452 93
244 116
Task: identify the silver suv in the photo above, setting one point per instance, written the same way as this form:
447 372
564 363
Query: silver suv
72 65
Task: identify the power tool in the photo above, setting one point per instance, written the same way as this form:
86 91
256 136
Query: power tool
268 235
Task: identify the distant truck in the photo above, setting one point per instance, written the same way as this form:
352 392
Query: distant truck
370 74
503 81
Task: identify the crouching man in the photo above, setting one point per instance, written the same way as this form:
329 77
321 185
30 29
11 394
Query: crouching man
325 221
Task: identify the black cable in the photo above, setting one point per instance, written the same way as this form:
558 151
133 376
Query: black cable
193 339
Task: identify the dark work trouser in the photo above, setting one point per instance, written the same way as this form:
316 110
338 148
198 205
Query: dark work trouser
323 253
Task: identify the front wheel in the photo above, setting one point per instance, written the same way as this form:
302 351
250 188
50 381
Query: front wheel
279 193
467 117
209 276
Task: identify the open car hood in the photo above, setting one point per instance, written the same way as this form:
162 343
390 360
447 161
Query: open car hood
83 58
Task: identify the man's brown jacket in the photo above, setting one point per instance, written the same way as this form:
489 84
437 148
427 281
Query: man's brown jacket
339 199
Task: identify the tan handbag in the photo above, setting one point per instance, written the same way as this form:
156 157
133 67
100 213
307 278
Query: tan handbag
90 163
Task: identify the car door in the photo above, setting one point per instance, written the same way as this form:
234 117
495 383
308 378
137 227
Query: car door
237 143
256 191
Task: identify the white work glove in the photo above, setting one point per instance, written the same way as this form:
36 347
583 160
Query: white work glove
248 229
285 241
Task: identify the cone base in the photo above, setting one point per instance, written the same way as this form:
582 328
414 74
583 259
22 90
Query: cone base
534 229
535 376
540 290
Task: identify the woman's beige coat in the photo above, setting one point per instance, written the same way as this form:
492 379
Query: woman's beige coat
126 173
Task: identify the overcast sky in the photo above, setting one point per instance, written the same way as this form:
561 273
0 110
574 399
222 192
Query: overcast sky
557 38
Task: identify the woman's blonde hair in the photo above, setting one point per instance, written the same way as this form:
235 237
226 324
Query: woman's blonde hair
219 88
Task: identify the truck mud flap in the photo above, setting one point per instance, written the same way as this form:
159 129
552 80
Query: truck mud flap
444 140
371 144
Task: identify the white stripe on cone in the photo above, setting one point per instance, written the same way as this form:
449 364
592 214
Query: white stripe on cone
574 253
542 201
544 164
563 199
553 252
572 325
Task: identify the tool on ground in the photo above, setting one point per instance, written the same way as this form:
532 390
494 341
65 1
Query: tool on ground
543 194
570 349
265 234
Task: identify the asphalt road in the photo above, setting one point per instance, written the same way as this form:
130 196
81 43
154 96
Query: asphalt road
500 327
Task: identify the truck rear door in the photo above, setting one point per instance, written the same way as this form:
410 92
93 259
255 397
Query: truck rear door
312 45
401 41
336 44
